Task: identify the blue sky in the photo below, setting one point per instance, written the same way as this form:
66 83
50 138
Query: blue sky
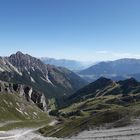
87 30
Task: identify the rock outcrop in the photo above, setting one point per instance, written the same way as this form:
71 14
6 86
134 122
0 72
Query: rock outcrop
27 92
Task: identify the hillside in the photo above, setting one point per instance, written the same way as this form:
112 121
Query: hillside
26 92
20 108
53 81
104 86
104 103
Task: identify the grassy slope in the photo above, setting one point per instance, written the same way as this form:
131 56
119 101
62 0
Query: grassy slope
23 113
93 113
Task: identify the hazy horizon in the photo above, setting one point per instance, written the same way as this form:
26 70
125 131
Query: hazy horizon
93 30
84 61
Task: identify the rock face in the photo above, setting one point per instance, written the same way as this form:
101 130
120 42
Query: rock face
26 62
54 82
27 92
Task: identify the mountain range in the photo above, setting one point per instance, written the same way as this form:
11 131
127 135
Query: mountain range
52 81
69 64
117 70
33 92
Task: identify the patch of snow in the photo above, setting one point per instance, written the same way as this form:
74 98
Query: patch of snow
43 79
32 79
17 104
14 68
35 113
26 113
27 70
19 110
2 70
33 69
5 102
47 80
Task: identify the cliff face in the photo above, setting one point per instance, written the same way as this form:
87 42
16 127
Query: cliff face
27 92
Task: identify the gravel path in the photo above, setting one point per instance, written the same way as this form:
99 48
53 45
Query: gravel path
7 122
124 133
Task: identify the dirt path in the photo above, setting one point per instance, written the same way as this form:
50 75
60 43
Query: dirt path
16 134
23 133
131 132
7 122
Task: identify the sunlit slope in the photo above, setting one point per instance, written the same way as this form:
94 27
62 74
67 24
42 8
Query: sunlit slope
15 107
103 103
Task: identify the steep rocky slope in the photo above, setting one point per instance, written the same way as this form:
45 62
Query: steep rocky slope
52 81
25 92
19 102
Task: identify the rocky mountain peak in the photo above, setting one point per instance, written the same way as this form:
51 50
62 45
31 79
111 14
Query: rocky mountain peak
25 61
51 80
19 53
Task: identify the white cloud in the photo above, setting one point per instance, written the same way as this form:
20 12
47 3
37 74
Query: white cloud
125 55
109 55
102 52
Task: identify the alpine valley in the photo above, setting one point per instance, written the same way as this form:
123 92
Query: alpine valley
39 101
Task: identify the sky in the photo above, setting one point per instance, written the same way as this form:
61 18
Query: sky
85 30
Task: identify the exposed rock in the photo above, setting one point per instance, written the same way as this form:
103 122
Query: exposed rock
51 80
27 92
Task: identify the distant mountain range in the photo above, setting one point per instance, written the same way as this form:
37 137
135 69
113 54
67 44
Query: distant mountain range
116 70
70 64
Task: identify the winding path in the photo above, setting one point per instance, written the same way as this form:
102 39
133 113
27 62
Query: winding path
131 132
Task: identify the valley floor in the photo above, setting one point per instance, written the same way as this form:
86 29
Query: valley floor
131 132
